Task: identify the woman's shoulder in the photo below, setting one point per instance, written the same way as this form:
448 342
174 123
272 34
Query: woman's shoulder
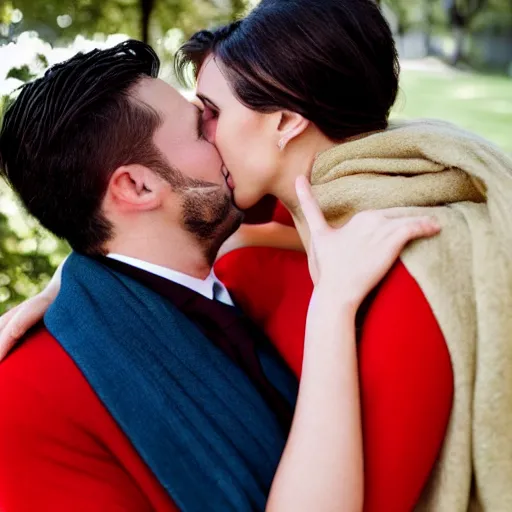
399 289
399 307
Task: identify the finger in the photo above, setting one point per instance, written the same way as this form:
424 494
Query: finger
8 338
10 335
6 317
401 212
407 229
25 317
309 205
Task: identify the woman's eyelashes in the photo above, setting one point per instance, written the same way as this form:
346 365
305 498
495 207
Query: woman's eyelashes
207 123
199 123
209 118
209 114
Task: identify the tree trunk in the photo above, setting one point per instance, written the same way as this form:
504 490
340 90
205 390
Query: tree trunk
146 8
459 37
460 16
427 29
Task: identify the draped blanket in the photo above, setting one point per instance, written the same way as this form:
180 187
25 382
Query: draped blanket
465 274
190 412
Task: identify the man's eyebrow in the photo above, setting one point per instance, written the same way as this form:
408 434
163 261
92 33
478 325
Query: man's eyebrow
207 101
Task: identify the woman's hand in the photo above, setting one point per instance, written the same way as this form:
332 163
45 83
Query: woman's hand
354 258
16 322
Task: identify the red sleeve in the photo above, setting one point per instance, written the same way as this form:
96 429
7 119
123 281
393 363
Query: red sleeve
274 288
59 449
406 391
405 368
282 215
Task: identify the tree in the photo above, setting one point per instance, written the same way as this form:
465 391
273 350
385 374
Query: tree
146 8
407 15
428 21
401 9
29 254
460 15
63 19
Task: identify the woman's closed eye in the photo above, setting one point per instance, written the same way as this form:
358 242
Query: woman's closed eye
209 119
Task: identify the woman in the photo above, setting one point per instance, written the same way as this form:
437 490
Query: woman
294 80
304 85
326 89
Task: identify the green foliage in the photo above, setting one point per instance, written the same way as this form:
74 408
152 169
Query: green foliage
4 103
496 18
28 254
456 18
22 73
64 19
478 14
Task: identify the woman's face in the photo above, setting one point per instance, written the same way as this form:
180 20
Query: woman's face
247 140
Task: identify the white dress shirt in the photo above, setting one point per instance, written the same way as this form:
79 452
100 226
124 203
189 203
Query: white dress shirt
211 287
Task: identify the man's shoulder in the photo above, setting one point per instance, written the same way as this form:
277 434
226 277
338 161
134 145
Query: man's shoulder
59 447
39 375
38 360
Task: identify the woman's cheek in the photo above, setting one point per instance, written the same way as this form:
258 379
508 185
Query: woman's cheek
218 142
226 143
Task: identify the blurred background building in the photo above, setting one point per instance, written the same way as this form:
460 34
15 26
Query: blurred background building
456 58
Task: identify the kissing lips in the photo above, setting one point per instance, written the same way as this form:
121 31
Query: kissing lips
228 178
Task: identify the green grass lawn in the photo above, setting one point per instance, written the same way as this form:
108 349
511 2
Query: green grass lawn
480 103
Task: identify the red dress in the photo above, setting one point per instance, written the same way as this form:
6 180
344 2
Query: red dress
405 368
61 451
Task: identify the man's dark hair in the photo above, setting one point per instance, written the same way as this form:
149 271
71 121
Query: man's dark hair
332 61
68 131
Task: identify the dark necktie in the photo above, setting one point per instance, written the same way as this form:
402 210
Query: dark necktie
231 331
238 337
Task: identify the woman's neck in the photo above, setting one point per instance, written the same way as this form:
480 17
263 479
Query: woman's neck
298 160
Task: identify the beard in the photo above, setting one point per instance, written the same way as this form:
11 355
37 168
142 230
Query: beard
209 211
210 214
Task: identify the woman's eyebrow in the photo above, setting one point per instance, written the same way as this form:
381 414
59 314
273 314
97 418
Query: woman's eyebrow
207 101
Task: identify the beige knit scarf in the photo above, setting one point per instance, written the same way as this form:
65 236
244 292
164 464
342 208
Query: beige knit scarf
465 274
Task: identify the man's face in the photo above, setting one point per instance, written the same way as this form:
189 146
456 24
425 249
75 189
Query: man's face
208 210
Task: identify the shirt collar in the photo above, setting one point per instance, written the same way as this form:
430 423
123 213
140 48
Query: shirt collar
211 287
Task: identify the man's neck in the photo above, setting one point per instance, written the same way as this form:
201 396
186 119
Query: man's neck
175 251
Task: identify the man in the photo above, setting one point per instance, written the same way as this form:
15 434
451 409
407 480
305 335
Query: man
145 382
141 386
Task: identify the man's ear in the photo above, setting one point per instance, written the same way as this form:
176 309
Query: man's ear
135 187
291 125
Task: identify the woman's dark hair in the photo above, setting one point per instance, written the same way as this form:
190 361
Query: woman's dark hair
69 130
332 61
